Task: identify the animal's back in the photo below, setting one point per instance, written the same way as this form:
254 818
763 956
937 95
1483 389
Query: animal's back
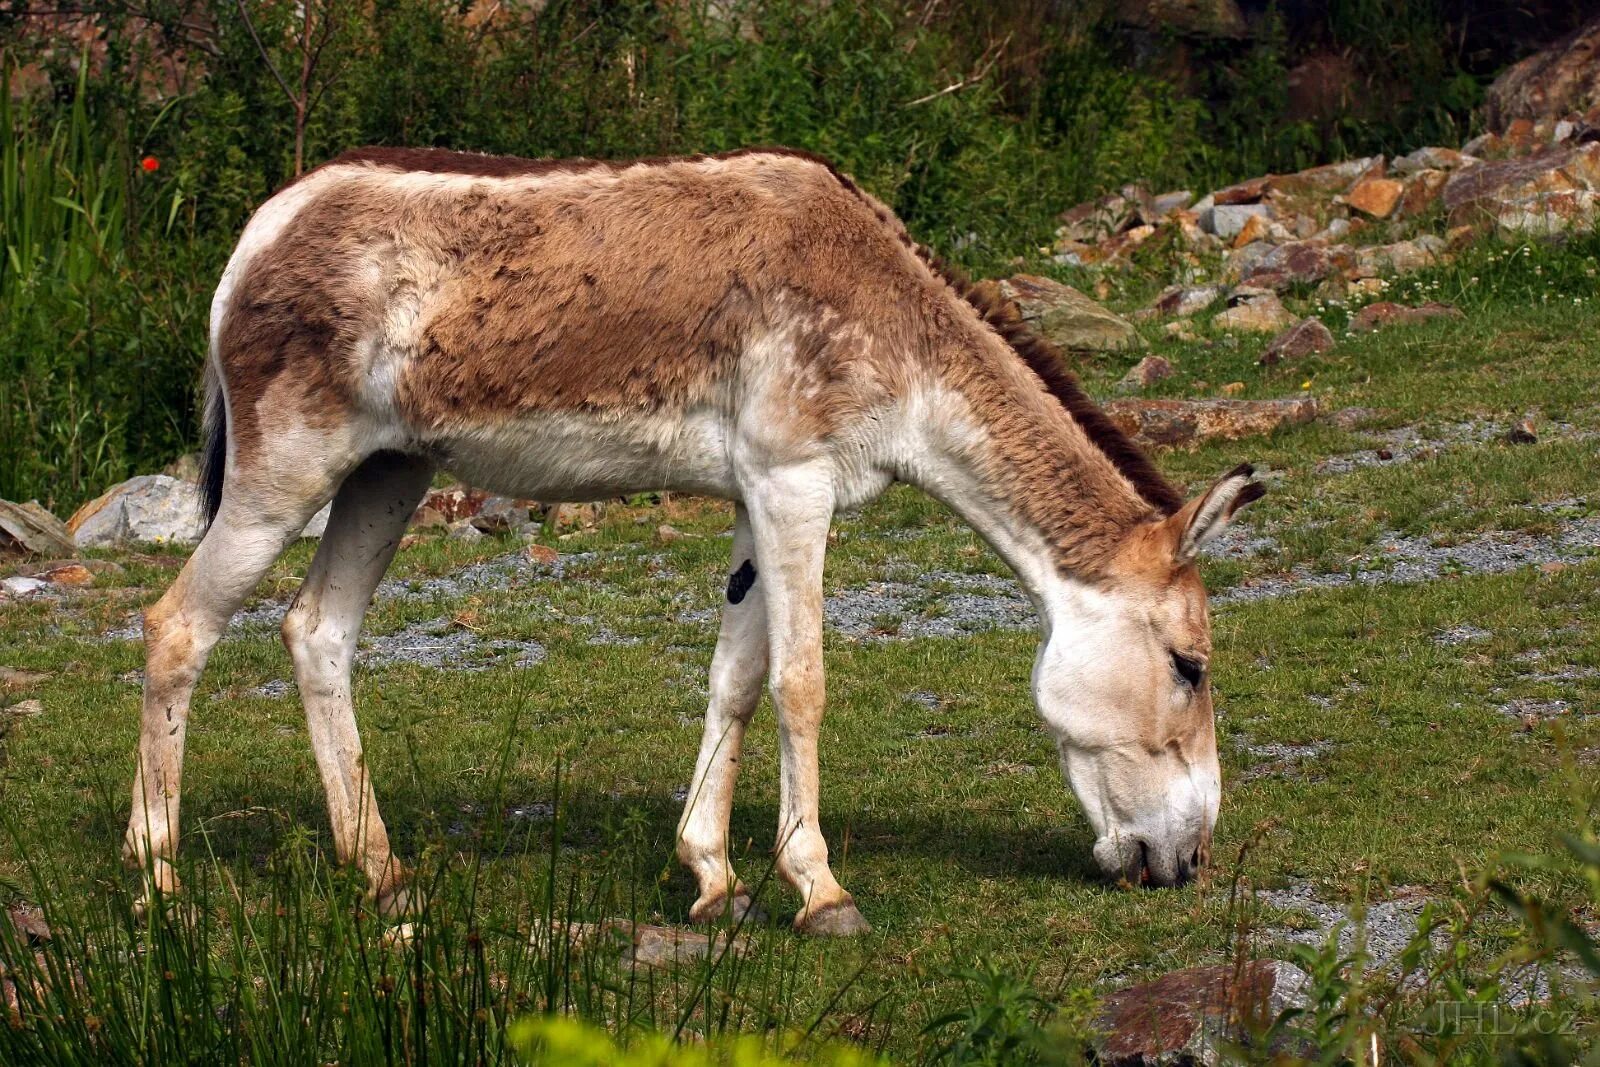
448 289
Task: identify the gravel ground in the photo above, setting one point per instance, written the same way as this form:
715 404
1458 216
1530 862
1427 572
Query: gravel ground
1389 925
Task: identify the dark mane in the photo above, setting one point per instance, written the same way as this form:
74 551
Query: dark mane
1045 360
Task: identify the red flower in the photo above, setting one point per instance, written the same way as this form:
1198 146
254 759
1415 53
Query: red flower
150 163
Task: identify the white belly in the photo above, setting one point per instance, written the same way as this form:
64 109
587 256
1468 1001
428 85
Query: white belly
589 457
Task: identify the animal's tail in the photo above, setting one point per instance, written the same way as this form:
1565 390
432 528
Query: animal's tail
214 460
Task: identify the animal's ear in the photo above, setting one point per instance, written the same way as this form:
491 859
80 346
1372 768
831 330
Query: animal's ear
1207 515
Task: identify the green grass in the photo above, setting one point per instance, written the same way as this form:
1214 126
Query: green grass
950 824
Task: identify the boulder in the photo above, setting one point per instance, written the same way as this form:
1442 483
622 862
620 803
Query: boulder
1327 179
1226 220
1299 262
1166 203
1475 194
1181 301
28 529
1375 196
1546 214
1145 373
1194 1015
1255 311
1184 423
1088 222
1402 257
1308 337
1550 84
1384 313
151 507
1067 318
1420 191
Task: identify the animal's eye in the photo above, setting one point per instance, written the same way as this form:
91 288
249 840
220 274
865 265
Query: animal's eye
1190 669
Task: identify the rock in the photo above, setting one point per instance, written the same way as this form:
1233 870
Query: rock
1364 287
1183 330
1189 18
669 534
12 679
1181 301
456 502
1194 1015
1375 196
27 924
1232 388
1263 313
1256 228
543 555
463 530
1167 203
151 507
1559 80
1145 373
500 514
31 530
23 709
1088 222
186 468
1307 337
428 517
1431 159
20 585
1297 263
1384 313
1546 214
1420 192
1470 195
1067 318
1227 220
67 572
1523 433
1402 257
1183 423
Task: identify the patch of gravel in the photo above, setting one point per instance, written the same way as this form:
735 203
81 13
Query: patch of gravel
497 573
1238 542
1408 560
1388 925
902 610
1280 759
443 646
926 698
1524 708
1402 444
274 688
1461 635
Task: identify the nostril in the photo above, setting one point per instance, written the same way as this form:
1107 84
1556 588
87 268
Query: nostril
1144 863
1194 860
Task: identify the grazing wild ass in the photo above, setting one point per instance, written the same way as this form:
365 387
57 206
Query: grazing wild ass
751 326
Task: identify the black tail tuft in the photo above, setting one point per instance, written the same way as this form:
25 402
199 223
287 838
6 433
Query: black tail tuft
214 460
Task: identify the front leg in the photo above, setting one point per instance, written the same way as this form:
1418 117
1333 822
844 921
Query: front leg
790 510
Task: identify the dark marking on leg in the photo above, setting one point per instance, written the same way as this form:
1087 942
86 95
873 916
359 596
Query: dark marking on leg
740 582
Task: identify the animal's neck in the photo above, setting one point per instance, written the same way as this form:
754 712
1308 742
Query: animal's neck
1007 457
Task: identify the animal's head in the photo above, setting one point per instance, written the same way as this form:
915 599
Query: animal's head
1124 683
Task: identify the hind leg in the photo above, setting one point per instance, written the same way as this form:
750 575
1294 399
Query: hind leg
248 534
369 517
738 667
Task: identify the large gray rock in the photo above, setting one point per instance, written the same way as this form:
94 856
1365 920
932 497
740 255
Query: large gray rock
1192 1016
1065 317
151 507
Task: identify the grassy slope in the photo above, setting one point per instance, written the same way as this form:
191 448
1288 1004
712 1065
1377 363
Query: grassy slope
950 824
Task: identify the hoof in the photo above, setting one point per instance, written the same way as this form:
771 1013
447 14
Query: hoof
707 911
843 919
